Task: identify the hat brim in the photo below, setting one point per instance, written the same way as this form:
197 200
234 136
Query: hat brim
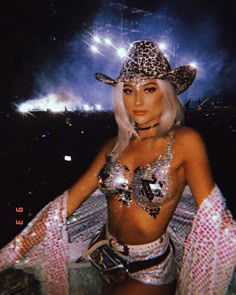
105 79
181 78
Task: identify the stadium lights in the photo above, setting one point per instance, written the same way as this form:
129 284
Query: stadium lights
121 52
98 107
97 39
51 102
54 105
94 49
104 41
107 41
23 108
86 107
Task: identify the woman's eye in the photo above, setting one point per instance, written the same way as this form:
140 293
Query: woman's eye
127 90
150 89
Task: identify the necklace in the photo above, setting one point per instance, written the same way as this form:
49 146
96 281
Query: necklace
146 128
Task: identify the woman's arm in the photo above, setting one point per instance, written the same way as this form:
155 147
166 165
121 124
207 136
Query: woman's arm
87 183
49 221
196 164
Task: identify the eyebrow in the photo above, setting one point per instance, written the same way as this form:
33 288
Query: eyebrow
144 85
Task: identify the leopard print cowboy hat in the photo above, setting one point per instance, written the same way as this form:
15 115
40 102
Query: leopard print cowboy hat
145 60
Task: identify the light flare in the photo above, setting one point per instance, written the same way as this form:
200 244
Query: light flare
94 49
162 45
97 39
121 52
54 102
107 41
193 65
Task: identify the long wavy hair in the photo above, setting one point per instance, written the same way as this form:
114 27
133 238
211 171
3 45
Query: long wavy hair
172 115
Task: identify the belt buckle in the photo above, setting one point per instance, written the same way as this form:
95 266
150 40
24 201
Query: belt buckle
124 250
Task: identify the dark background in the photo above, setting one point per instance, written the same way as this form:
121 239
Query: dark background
34 34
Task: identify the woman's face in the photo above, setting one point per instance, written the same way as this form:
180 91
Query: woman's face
143 101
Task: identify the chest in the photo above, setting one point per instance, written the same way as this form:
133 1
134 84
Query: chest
150 184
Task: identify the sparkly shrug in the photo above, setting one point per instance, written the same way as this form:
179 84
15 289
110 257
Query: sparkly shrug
209 247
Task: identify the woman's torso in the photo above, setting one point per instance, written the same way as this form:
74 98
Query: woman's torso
143 188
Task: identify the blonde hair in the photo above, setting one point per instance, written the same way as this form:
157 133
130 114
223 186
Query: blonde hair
172 115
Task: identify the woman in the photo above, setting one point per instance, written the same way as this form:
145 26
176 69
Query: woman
147 167
143 173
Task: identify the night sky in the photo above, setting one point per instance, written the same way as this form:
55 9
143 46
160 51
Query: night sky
37 37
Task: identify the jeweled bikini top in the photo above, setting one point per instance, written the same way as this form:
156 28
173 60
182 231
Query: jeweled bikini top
150 184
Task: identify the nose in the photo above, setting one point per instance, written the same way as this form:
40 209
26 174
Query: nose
138 98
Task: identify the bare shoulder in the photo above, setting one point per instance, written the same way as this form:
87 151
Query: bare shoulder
195 161
189 144
188 134
109 145
188 137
